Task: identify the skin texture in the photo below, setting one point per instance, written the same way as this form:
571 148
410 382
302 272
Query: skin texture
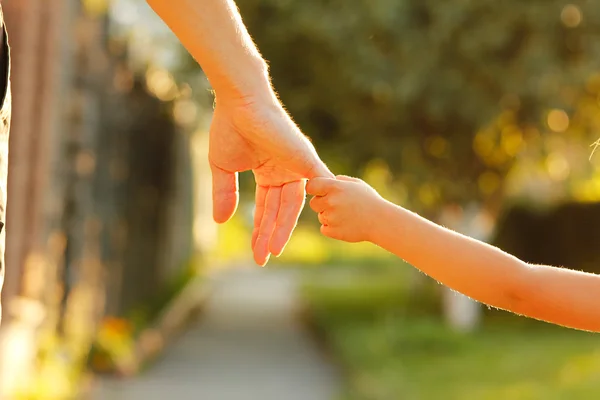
250 129
352 211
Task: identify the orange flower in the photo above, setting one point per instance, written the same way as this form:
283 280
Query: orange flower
117 325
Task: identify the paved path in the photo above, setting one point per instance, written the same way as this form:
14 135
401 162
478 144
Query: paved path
247 346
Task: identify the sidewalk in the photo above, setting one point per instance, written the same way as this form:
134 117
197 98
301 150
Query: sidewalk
247 346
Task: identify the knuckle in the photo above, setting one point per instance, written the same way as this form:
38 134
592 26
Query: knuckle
314 204
323 219
333 219
333 201
312 185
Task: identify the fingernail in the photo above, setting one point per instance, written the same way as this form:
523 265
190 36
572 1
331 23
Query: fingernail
266 260
277 253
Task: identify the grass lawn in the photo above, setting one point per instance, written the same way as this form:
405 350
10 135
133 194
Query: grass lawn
419 359
390 353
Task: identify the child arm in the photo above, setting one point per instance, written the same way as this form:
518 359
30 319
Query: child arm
487 274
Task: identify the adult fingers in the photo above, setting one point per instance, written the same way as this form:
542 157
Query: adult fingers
225 194
292 202
267 225
260 198
320 186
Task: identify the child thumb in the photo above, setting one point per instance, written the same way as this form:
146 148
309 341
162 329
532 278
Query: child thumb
347 178
319 186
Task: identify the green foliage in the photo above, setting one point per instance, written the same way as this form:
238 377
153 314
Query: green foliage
412 82
422 359
368 291
391 343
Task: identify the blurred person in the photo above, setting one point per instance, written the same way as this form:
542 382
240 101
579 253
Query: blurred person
350 210
250 129
5 113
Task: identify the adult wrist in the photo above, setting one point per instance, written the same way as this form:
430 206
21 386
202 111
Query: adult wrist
248 84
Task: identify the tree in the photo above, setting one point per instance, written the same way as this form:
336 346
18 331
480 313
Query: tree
453 97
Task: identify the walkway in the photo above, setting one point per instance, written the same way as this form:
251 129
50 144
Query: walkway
247 346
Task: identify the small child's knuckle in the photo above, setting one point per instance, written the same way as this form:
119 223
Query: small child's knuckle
334 201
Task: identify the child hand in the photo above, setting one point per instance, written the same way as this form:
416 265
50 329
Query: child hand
347 207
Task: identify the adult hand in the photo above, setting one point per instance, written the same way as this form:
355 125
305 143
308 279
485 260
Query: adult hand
250 129
258 135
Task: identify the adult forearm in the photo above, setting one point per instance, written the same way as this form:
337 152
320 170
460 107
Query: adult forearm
478 270
214 34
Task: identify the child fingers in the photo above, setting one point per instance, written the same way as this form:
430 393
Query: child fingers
318 204
320 186
331 232
327 218
323 218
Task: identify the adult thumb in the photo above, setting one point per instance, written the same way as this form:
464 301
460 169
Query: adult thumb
309 165
319 169
225 194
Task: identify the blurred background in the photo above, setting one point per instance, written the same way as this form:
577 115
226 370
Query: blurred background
479 115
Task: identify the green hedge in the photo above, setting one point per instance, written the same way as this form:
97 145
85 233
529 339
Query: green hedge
369 292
